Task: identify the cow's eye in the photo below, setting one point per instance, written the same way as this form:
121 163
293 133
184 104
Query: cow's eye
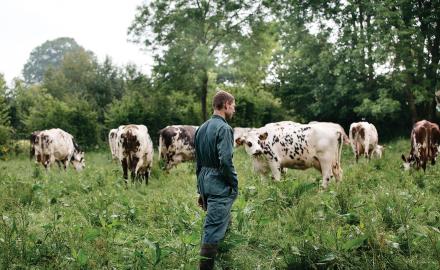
249 144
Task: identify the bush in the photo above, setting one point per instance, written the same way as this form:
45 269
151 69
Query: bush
76 117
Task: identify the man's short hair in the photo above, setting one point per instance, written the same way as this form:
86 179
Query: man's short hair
221 98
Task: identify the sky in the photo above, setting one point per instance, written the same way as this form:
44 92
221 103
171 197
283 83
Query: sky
97 25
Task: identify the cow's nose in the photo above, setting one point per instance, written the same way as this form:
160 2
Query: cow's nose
257 152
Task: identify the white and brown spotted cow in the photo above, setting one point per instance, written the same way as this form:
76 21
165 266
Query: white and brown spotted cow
135 152
425 145
298 147
113 141
56 145
176 144
364 140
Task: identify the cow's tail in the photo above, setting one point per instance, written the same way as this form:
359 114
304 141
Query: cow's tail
341 142
76 146
160 146
339 153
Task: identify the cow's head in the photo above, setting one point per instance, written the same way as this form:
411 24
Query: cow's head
78 157
239 134
410 162
378 151
253 142
78 160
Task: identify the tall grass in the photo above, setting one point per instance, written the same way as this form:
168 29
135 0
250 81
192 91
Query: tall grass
378 217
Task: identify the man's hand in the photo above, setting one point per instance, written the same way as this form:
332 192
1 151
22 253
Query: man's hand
200 202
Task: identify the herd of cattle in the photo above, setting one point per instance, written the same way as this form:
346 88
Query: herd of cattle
273 147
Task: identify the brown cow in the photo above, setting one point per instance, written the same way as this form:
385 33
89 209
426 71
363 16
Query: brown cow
425 140
364 140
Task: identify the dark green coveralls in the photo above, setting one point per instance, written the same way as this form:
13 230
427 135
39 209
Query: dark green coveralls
216 177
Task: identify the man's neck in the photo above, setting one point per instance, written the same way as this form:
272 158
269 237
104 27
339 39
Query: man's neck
220 113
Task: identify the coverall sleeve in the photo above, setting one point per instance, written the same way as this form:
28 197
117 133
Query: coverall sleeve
198 163
225 142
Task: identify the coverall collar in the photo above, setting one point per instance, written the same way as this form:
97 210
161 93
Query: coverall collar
219 117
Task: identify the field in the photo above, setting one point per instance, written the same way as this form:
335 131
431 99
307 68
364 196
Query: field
378 217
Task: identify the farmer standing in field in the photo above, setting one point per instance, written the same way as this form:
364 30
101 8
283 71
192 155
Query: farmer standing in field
217 181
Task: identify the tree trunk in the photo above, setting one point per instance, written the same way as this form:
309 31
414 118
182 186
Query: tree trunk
410 98
204 95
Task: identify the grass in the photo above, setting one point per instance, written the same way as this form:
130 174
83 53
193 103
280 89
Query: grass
378 217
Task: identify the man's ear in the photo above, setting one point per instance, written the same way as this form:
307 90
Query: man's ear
263 136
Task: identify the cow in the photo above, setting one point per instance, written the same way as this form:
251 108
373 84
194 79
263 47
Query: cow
425 145
56 145
113 140
364 140
298 147
335 126
135 152
176 145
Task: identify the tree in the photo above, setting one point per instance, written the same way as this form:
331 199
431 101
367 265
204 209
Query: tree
74 76
188 38
5 124
47 55
76 117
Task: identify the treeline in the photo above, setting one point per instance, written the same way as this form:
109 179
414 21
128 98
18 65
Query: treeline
339 61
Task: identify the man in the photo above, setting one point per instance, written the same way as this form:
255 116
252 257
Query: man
217 181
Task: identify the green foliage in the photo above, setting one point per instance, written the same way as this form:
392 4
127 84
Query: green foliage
378 217
379 109
50 54
191 36
152 110
75 74
5 124
255 107
76 117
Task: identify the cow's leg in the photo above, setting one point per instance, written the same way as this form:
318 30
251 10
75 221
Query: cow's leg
367 149
125 169
337 172
326 171
276 170
147 174
169 165
58 163
136 173
356 152
48 161
283 171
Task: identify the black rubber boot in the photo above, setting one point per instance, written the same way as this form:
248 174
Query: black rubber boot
208 252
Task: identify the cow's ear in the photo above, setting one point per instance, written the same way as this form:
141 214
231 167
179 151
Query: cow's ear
403 157
263 136
239 141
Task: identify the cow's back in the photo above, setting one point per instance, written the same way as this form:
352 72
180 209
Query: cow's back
176 144
58 143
